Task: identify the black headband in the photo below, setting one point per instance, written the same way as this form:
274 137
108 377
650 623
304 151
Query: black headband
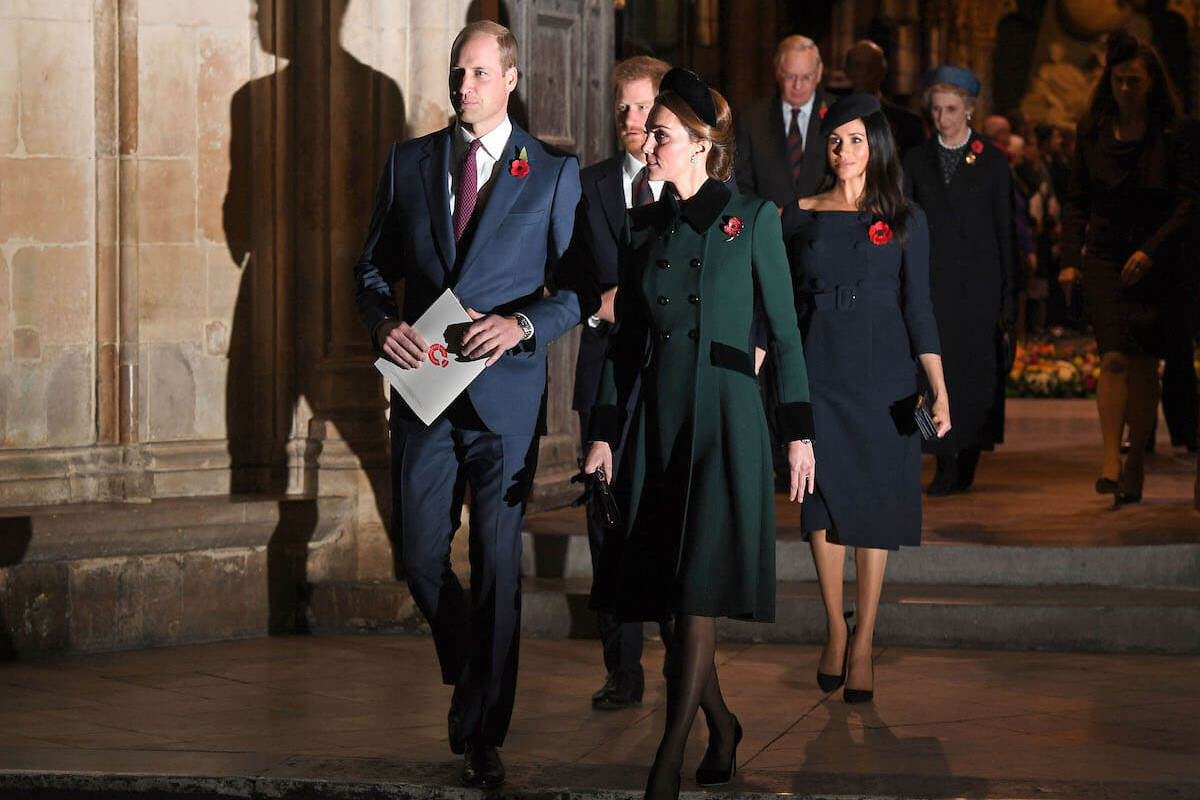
692 90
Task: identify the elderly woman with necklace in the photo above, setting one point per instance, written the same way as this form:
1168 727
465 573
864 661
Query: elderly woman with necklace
695 482
964 186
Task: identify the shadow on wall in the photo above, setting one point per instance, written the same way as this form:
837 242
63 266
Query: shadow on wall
307 144
15 533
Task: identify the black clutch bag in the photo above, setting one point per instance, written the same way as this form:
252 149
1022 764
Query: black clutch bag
599 497
921 414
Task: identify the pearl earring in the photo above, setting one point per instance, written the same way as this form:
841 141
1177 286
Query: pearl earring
694 157
969 115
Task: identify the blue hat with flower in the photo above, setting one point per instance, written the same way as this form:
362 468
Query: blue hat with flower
956 76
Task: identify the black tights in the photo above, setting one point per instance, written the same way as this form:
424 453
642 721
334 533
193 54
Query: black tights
692 683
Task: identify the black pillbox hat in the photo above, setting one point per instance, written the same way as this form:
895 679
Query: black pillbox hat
851 107
693 90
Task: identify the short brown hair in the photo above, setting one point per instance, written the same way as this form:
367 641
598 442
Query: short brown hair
637 68
719 163
485 27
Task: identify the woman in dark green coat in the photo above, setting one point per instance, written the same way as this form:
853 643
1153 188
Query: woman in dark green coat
695 483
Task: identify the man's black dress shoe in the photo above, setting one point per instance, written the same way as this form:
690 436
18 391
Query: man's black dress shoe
482 766
620 691
943 483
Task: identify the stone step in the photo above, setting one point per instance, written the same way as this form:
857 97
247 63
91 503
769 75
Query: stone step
1061 618
177 570
558 548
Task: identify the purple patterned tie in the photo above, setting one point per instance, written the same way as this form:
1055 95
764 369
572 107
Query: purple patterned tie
468 191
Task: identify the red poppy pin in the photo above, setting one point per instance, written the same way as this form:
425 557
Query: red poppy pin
976 149
824 110
732 227
880 233
520 165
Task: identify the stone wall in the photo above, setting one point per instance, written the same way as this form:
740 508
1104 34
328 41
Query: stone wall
182 189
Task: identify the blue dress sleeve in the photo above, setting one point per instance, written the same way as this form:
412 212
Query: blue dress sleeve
917 305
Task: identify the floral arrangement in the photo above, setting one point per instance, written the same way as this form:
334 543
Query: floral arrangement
1061 368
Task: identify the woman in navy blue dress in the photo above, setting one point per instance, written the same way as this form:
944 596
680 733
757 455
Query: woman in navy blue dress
859 254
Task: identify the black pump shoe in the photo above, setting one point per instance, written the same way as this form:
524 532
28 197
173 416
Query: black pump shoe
828 682
717 777
861 695
1105 485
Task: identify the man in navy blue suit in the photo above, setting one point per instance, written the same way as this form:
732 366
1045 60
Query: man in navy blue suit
484 209
609 188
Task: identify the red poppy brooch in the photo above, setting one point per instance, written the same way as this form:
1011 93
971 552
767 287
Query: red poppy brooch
880 233
976 149
732 227
824 110
520 165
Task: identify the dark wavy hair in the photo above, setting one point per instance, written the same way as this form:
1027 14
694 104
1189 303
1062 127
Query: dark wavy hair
883 194
1162 106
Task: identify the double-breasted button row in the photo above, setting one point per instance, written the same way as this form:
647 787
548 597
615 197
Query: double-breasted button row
662 301
697 263
662 263
694 299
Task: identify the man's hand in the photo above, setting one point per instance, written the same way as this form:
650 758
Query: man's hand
606 311
401 344
490 335
1136 268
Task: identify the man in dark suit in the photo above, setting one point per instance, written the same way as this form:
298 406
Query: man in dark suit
866 67
484 209
780 155
609 188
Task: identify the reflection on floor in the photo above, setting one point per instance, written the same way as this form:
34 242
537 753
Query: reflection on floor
350 714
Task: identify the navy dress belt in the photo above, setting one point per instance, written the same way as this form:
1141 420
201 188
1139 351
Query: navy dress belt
844 298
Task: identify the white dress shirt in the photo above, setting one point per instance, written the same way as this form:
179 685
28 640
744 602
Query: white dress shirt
489 154
802 120
630 167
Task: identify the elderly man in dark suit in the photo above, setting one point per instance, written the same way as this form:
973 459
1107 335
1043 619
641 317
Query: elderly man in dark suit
484 209
866 67
780 155
610 188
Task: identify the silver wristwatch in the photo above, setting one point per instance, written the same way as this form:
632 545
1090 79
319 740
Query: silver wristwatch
526 326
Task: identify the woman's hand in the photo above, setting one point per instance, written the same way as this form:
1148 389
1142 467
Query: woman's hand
941 414
1068 276
803 466
599 455
1136 268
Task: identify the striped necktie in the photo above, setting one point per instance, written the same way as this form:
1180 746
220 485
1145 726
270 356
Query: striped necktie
642 194
795 144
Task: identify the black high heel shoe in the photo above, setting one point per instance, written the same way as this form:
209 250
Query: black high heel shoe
828 682
717 777
861 695
1105 485
1129 486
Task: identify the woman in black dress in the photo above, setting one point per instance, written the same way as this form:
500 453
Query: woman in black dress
963 183
859 254
1131 196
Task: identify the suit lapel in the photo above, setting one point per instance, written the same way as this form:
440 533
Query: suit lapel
435 171
777 128
505 189
612 197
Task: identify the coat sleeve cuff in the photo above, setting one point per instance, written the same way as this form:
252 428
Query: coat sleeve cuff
795 421
605 425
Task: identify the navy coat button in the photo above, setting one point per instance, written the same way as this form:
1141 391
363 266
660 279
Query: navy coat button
697 263
694 335
664 264
664 334
694 299
662 301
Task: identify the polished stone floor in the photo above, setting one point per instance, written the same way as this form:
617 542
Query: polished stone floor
352 714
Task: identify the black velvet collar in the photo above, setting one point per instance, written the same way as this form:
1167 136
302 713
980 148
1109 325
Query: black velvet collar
701 211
